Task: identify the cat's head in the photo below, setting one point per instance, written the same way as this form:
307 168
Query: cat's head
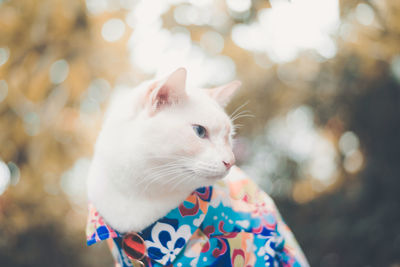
163 135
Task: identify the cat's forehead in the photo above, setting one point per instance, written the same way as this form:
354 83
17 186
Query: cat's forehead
206 111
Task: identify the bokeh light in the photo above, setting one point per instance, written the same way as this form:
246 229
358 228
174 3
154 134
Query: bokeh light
353 161
395 67
73 181
59 71
113 30
4 55
32 123
15 173
365 14
212 42
99 90
291 27
239 6
348 142
3 90
5 177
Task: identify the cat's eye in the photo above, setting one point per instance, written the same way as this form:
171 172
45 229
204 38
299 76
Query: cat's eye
200 131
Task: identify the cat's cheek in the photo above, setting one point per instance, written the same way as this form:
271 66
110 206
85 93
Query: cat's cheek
192 148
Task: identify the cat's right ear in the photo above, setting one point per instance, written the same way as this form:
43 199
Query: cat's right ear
167 92
224 93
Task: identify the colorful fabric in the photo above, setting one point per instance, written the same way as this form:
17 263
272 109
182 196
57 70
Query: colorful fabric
232 223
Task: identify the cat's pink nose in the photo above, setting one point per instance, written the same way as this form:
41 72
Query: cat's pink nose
228 165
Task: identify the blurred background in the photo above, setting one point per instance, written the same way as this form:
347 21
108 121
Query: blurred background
321 80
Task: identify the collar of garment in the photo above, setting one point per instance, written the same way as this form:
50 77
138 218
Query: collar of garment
177 226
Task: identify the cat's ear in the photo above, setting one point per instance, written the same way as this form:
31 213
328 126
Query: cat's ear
168 91
224 93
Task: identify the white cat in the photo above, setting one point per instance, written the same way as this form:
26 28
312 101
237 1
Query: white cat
159 142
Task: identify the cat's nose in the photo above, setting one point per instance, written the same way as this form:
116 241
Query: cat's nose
228 164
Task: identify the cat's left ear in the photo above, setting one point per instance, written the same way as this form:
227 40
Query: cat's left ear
224 93
168 92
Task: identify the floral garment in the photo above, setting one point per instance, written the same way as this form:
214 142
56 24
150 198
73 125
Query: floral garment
232 223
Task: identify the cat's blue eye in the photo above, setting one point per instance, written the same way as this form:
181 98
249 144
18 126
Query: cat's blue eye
200 131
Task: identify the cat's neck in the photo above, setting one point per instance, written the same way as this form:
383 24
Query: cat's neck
129 208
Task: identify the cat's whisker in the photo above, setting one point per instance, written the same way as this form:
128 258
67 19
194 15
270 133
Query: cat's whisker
181 181
158 176
150 177
245 116
242 114
170 164
160 158
237 126
174 158
176 161
173 177
162 172
157 179
160 169
206 164
167 171
184 175
156 173
190 179
241 111
238 109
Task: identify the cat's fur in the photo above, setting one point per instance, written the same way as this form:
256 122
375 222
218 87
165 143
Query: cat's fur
148 158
